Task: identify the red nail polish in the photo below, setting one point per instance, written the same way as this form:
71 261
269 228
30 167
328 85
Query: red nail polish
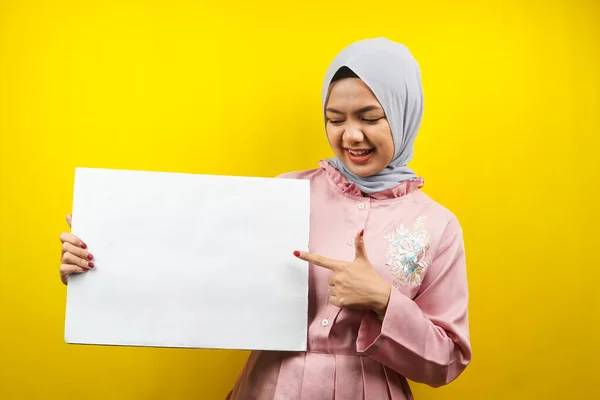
362 232
83 245
91 264
90 256
297 253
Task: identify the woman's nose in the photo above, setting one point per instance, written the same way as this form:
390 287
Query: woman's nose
353 134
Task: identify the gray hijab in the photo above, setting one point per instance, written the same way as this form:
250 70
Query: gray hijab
391 72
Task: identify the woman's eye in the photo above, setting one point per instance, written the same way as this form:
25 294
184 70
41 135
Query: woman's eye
371 121
336 121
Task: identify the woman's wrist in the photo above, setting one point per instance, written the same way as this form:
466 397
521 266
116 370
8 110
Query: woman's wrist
381 299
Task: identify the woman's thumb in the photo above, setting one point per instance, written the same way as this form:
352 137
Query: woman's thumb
359 244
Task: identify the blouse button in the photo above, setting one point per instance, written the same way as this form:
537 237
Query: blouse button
325 322
361 206
350 242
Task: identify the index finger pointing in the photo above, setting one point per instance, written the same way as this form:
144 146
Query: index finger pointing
318 260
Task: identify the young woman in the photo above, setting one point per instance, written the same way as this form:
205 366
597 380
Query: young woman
388 292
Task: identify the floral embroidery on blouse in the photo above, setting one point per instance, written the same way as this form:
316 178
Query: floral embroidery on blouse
407 254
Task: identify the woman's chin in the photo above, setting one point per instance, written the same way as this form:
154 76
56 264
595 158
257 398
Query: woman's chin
363 170
362 174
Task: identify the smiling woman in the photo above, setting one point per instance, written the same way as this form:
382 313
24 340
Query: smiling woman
509 143
357 128
388 292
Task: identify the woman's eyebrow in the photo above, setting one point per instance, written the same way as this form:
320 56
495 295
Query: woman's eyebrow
368 108
333 110
362 110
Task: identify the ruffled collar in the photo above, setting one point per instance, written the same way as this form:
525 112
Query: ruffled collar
351 189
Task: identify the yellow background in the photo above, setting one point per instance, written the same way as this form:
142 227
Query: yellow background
509 142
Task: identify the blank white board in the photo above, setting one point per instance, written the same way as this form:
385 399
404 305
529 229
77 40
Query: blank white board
186 260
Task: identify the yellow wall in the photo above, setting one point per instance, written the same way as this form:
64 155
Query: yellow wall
509 143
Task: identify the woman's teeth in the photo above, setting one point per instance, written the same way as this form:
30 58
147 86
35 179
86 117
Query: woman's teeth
361 153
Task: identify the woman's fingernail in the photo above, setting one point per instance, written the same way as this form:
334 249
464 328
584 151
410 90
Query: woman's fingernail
83 245
297 253
91 264
362 232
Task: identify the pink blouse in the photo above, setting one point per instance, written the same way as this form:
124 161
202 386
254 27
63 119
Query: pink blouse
415 244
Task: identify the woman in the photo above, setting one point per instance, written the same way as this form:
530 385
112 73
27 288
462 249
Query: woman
388 292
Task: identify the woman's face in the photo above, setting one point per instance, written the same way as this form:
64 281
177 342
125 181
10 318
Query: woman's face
357 128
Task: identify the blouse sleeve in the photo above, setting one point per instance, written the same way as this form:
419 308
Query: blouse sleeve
426 339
